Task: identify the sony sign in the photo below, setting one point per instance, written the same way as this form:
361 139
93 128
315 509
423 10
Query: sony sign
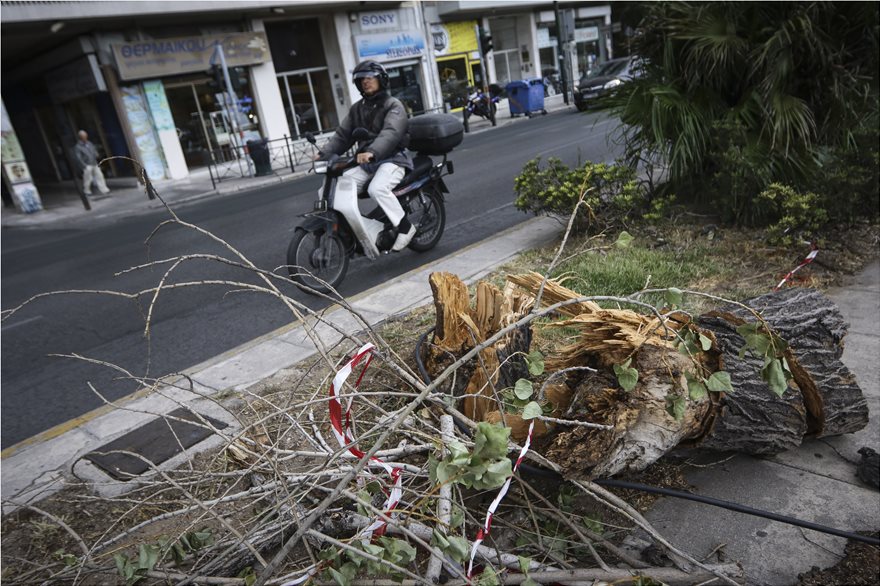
371 21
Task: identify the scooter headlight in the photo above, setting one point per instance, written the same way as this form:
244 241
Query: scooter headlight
320 167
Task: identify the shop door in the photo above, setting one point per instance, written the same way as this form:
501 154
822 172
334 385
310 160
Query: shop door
406 86
308 101
187 112
454 81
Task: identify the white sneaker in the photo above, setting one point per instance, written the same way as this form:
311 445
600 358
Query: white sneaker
403 239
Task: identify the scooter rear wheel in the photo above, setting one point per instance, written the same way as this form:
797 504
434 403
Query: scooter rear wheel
428 214
316 260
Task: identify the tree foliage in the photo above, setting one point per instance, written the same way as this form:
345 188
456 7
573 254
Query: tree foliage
735 96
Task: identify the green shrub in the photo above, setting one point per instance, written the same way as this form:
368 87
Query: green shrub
609 192
794 213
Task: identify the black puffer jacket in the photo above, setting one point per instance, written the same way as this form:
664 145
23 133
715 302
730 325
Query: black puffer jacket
385 117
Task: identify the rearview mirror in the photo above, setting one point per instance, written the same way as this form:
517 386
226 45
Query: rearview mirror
360 134
310 137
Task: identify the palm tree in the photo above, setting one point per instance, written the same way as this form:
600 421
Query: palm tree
764 85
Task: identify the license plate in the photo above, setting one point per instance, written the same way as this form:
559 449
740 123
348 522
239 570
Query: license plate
320 205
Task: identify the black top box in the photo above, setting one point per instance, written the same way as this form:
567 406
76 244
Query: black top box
435 134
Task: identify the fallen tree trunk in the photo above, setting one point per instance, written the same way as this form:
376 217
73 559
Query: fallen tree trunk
659 412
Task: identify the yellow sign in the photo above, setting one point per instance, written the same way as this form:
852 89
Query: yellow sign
454 37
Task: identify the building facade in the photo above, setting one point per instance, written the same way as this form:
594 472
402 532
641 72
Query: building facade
145 79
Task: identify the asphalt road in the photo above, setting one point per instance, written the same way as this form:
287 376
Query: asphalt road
42 388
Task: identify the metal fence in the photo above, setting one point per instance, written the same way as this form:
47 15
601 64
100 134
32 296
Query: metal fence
285 154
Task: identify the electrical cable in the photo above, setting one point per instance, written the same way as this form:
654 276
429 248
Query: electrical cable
706 500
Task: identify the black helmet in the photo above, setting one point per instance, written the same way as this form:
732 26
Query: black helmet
370 68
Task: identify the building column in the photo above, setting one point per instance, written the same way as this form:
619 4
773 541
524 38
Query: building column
267 96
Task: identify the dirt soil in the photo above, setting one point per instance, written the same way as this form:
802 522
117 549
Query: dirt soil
861 565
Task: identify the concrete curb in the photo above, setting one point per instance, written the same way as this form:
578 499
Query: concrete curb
37 467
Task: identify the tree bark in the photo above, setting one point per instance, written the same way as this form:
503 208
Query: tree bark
658 413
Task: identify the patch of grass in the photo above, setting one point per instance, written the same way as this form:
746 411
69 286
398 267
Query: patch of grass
620 272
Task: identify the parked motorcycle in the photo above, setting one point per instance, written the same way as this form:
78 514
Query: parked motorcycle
336 231
481 104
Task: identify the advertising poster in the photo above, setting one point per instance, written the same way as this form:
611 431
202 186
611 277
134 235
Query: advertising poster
15 169
27 197
451 38
388 46
17 172
158 101
142 128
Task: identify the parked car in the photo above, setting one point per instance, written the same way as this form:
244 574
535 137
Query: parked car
607 76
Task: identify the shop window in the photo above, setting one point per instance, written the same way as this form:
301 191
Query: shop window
203 124
308 101
406 87
507 66
296 44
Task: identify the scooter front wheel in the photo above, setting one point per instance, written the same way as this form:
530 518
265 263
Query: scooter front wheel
317 260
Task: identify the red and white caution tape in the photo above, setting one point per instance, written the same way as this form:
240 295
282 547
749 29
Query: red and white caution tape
346 439
806 261
487 526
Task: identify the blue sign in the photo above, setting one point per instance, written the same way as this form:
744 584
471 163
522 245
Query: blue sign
388 46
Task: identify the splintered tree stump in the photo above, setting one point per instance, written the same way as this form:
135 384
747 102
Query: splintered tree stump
658 413
460 328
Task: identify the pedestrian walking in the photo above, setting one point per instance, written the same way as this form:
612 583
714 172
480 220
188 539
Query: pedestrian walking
87 159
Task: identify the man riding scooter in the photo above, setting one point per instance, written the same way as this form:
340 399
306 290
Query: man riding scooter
383 158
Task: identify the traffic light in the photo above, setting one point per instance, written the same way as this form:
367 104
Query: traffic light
485 42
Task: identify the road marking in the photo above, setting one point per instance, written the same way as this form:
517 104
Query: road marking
23 322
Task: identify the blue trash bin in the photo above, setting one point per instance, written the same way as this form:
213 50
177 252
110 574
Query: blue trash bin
518 97
525 96
536 95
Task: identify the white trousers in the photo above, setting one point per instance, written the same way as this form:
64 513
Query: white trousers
386 178
90 173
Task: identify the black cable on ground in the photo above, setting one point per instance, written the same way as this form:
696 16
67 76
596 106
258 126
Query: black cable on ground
552 475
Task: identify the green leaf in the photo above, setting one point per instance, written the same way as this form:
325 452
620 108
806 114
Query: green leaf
624 240
774 375
675 406
373 549
457 516
458 549
719 382
401 553
673 297
524 564
341 576
535 361
626 377
529 582
488 577
120 560
696 387
248 575
523 389
757 341
490 441
148 555
532 410
494 475
705 343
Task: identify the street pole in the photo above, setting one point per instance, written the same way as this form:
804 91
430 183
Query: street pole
483 66
560 47
230 104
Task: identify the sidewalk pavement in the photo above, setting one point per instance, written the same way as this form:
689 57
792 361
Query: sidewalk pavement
63 207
